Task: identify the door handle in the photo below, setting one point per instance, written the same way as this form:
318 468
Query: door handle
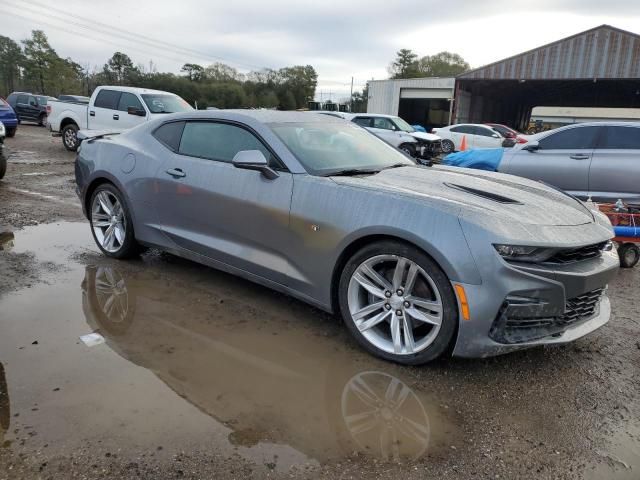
92 113
579 156
116 116
176 172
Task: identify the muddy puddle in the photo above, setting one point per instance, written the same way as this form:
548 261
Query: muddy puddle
187 359
190 358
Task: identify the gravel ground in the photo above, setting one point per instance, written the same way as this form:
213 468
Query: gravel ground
208 376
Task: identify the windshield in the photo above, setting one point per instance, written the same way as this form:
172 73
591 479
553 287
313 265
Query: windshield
402 125
327 148
159 103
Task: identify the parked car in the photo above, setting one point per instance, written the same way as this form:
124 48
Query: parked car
597 160
507 132
416 259
478 136
399 133
3 158
30 107
113 109
74 98
8 117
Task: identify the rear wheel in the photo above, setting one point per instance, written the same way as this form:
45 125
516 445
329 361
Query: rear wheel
70 137
42 119
397 303
111 223
447 146
629 254
3 166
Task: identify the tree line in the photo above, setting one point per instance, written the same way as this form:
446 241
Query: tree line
34 66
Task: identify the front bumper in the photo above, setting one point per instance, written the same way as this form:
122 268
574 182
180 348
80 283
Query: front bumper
520 306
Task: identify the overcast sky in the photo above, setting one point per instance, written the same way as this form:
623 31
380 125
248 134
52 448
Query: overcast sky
340 38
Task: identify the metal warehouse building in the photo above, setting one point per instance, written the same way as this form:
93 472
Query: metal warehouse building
596 68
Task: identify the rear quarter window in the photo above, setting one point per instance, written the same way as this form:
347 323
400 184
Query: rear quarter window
170 134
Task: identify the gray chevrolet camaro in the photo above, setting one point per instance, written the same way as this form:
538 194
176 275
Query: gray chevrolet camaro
419 261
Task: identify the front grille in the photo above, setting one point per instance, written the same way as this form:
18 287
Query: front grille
582 306
578 254
513 325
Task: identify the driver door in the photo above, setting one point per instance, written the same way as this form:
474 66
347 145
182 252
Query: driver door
208 206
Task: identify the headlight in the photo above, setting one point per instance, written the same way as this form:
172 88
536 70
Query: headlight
2 131
521 253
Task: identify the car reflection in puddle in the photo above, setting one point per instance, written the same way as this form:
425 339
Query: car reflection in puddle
5 412
267 377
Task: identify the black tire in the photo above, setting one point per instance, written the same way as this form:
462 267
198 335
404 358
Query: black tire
130 247
42 119
3 165
447 146
11 132
408 149
70 137
629 254
444 338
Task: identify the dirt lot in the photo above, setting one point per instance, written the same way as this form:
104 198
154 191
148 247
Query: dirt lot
197 374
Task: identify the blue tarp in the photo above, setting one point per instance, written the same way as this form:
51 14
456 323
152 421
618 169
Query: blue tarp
484 159
627 231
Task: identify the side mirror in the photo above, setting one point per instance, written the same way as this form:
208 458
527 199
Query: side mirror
495 135
136 111
254 160
532 146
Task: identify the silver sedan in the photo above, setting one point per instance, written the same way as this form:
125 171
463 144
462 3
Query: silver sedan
419 261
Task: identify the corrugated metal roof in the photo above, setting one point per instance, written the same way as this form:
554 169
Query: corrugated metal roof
603 52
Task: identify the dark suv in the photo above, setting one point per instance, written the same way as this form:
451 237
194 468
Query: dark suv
29 106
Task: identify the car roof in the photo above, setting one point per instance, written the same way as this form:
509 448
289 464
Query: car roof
379 115
134 89
262 116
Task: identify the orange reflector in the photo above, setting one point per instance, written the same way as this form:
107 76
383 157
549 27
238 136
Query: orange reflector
464 305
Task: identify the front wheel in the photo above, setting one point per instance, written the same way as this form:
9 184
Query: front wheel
42 119
397 303
629 254
111 223
70 137
408 149
447 146
11 132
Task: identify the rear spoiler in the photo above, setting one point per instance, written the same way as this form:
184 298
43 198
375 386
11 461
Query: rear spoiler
92 135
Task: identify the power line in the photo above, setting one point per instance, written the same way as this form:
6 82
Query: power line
152 42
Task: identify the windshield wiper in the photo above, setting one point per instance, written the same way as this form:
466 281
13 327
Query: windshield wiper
352 171
396 165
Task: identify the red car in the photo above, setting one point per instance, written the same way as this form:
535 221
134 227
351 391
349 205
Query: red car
507 132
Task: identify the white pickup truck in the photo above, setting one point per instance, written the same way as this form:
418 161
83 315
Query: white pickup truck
110 108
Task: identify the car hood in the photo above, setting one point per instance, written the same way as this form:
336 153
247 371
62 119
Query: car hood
429 137
504 197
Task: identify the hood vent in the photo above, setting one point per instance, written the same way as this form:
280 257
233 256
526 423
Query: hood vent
481 193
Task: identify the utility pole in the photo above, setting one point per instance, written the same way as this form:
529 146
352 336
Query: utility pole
351 97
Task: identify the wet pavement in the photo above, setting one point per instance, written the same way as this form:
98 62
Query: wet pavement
193 373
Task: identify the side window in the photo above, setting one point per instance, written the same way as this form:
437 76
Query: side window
620 138
33 101
382 123
24 99
483 132
463 129
170 134
107 99
129 100
363 121
219 141
577 138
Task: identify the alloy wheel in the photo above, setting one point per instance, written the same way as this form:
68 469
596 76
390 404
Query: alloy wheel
395 304
70 138
108 221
